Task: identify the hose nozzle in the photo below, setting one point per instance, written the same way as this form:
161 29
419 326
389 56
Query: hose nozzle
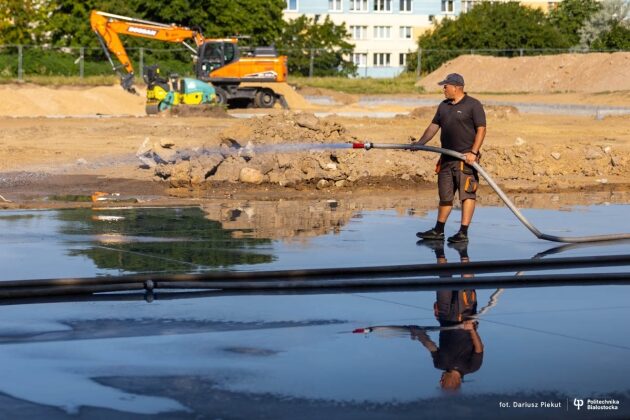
360 145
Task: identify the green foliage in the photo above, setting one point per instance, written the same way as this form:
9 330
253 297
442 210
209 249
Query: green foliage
609 27
22 21
570 16
616 38
324 44
489 26
69 23
405 83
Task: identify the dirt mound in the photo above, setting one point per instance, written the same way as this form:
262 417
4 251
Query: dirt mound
594 72
294 99
288 127
39 101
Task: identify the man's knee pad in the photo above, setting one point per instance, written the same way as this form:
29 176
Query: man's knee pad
446 203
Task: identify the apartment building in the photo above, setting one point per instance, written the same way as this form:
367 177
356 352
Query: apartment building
384 32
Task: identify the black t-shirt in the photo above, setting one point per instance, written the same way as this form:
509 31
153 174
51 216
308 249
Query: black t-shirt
457 351
459 122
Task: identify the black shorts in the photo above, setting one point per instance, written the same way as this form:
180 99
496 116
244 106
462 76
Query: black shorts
455 175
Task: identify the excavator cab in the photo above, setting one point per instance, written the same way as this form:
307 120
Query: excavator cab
214 55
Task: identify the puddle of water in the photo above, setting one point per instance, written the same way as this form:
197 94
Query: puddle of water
202 354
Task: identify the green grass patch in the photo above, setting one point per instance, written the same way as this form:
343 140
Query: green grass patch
404 83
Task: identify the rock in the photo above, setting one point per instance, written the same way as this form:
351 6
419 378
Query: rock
179 175
204 166
556 155
615 161
593 153
229 170
306 120
285 160
519 141
264 162
322 183
167 144
405 177
607 150
250 176
331 166
341 183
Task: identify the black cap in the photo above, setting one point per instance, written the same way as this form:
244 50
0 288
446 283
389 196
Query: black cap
453 79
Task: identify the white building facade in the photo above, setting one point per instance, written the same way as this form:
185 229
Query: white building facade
384 32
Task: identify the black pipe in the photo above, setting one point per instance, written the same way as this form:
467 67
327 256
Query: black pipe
395 271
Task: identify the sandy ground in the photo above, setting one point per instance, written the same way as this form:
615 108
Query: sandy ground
72 141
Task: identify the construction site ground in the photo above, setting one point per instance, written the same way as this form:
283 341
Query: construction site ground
70 142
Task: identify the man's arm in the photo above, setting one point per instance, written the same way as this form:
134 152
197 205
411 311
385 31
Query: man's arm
428 134
472 156
476 340
422 337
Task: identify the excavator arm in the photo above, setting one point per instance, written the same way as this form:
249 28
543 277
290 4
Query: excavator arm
108 27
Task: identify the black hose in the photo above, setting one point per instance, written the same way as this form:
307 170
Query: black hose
395 271
501 194
373 278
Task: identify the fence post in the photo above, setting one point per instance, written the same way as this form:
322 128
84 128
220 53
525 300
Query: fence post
311 64
81 59
419 69
20 58
141 65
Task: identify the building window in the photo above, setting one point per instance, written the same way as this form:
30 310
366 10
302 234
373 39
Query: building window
467 5
292 5
358 5
382 5
405 32
405 5
382 59
382 32
359 59
402 59
447 6
335 5
358 32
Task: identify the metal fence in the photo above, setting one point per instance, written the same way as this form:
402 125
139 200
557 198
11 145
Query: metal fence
18 62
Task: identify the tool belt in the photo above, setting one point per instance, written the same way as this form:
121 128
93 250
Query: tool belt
461 305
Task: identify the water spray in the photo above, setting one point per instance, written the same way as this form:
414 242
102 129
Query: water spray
495 187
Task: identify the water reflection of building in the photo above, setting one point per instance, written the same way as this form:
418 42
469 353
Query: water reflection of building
286 219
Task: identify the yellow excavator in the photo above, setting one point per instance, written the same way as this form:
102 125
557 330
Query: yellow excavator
217 61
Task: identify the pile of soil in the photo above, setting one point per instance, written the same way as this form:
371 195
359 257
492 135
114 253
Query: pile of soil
593 72
38 101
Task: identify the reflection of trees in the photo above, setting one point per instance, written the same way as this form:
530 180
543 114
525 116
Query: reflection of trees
163 239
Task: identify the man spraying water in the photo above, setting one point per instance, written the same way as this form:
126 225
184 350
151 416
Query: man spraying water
463 123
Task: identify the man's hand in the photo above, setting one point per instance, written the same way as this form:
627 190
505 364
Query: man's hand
470 158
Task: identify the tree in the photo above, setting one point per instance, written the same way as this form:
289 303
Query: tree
322 47
570 16
503 26
609 28
69 23
22 21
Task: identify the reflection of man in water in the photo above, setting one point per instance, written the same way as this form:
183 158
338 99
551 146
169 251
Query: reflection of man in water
460 351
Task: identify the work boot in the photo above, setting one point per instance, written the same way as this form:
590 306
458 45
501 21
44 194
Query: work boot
458 237
431 234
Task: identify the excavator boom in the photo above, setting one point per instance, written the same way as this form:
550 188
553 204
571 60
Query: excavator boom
108 26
